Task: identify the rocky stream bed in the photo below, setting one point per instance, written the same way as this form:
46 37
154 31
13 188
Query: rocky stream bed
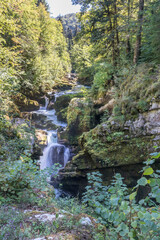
68 132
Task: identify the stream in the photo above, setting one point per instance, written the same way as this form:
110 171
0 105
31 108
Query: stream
54 153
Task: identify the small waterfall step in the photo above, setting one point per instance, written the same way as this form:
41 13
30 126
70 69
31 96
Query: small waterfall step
55 153
46 104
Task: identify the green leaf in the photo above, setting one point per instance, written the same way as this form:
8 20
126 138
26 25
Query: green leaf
148 171
134 224
98 210
158 198
132 196
142 181
124 205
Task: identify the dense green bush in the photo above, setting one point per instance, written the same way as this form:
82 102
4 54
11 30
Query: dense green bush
10 224
103 78
122 213
14 139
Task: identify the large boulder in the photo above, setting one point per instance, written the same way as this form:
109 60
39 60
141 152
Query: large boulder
61 104
112 144
114 147
40 121
80 118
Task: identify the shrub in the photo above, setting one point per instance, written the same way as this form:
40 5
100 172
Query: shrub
102 79
125 217
10 223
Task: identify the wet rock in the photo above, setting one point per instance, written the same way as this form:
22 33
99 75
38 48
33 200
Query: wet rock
50 106
57 154
40 121
38 117
63 136
114 147
49 125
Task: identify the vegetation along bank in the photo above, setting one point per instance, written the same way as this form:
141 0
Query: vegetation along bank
90 82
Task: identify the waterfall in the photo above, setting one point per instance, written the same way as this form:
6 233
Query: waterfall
55 153
46 104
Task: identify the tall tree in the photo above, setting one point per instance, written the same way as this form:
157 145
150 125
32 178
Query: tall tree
32 44
137 50
102 22
69 37
128 44
44 3
151 33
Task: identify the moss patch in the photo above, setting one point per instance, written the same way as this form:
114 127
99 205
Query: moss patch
102 147
61 105
136 90
80 118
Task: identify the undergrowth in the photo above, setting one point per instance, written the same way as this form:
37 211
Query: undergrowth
123 214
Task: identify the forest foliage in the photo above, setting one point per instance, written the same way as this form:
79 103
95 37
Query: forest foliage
33 58
118 39
33 51
70 24
123 33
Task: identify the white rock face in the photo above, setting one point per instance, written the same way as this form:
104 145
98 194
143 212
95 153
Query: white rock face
86 221
47 217
147 123
155 105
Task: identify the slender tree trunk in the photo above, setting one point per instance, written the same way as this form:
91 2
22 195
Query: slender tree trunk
137 50
115 34
116 28
128 45
113 40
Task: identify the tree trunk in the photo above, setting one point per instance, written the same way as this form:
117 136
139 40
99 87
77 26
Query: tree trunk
128 45
137 50
113 40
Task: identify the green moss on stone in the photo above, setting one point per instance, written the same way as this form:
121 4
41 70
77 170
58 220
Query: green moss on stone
80 118
104 148
136 91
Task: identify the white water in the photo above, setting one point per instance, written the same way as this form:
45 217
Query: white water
75 89
46 104
54 152
51 115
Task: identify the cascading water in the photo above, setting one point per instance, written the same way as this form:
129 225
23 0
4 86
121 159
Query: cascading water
46 104
54 152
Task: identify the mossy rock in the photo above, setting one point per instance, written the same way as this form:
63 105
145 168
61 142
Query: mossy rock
105 147
62 115
138 88
63 101
80 118
24 104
